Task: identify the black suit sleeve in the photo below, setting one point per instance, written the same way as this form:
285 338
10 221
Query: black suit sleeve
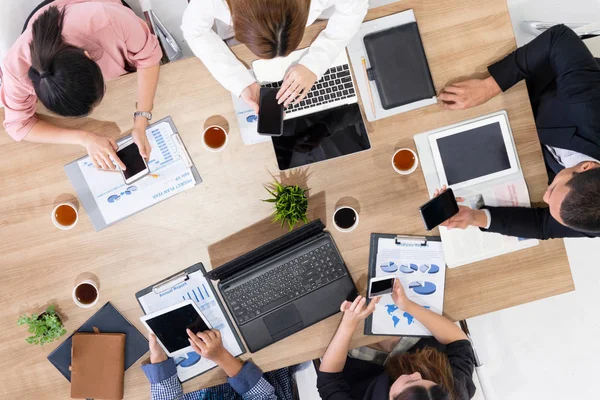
557 54
531 223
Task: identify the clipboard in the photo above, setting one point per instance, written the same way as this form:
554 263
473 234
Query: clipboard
418 271
85 195
191 284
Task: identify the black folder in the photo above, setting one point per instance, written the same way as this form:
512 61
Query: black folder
399 66
107 320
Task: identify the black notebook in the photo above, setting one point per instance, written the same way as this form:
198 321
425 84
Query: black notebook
399 66
107 320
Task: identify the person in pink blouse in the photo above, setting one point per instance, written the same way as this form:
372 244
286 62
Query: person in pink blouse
64 56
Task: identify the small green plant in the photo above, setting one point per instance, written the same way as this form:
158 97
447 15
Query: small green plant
291 204
46 327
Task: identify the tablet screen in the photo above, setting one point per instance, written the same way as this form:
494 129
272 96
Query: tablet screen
170 327
473 153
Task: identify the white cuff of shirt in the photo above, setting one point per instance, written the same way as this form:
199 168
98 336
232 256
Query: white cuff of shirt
489 218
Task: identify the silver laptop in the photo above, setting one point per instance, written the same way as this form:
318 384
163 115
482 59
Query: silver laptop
335 88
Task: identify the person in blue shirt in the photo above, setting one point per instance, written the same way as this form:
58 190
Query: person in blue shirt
245 380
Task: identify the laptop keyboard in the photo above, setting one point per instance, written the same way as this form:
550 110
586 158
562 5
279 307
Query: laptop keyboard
335 84
284 283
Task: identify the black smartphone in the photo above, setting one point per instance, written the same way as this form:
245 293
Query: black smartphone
439 209
270 114
381 285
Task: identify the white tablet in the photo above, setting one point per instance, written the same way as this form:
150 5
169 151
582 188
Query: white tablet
170 324
474 152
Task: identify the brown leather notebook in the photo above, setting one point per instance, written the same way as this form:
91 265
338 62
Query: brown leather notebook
98 366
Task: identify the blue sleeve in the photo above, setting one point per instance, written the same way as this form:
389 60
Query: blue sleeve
164 383
251 384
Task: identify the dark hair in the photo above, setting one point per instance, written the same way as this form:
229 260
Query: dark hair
580 208
433 365
421 393
65 80
269 30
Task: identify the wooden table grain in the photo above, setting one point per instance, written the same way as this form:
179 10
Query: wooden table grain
224 216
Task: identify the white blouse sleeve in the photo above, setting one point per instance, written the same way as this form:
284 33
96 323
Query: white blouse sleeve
341 28
198 21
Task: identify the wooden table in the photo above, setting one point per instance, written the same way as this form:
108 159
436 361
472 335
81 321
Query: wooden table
224 217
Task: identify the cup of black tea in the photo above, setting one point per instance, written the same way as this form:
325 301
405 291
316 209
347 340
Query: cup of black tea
214 138
85 292
345 219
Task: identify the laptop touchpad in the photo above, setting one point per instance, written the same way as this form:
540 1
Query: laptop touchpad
283 322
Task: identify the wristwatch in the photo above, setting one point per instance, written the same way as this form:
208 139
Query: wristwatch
145 114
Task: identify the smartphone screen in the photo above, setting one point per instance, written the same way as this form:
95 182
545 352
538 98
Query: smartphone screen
130 155
381 287
439 209
270 114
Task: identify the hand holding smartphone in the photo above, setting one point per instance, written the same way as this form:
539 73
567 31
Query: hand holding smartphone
270 113
439 209
136 166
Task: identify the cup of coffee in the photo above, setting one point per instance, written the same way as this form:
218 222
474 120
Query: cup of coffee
405 161
345 219
64 216
85 292
214 138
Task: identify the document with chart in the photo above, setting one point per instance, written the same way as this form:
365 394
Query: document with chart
419 264
106 197
191 284
478 160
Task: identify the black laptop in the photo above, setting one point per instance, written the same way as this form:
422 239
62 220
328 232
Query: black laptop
285 286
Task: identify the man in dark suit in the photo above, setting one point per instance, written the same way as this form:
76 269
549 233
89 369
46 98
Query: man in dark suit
563 79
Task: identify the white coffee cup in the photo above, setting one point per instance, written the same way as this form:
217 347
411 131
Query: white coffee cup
408 171
215 150
82 282
59 225
350 229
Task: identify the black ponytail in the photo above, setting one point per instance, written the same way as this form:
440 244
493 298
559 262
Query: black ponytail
65 80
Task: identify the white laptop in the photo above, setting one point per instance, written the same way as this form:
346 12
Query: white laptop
335 88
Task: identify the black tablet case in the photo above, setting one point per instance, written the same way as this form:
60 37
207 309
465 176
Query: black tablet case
107 320
399 66
374 249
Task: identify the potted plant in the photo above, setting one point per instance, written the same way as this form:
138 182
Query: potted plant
46 327
291 204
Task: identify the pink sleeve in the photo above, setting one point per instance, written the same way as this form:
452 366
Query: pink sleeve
19 102
142 47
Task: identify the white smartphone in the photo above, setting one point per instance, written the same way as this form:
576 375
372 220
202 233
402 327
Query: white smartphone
170 324
381 285
137 167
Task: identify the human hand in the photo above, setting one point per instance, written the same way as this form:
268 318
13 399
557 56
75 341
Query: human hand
208 344
251 95
469 93
101 149
466 216
399 296
296 84
140 138
356 311
157 354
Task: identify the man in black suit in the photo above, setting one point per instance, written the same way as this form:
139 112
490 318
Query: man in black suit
563 79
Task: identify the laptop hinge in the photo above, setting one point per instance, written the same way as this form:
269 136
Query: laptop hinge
274 247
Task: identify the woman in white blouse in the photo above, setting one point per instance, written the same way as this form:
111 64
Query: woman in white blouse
269 28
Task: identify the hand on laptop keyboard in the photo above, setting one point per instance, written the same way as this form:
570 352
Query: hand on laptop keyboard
297 82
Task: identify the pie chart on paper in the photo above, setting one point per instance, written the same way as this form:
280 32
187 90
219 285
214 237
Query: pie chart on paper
430 269
405 269
389 267
423 288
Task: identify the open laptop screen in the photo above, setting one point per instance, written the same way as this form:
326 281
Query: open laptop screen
321 136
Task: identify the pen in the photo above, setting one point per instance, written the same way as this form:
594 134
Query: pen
364 64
